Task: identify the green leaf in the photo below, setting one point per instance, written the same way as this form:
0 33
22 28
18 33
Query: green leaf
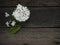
15 29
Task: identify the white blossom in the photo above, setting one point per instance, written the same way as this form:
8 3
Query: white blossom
13 23
7 24
6 14
21 13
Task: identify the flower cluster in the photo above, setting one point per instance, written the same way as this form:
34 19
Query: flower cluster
21 14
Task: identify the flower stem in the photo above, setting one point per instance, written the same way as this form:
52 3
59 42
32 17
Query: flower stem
15 29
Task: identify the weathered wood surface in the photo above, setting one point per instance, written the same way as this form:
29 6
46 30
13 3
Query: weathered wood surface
31 36
40 17
30 2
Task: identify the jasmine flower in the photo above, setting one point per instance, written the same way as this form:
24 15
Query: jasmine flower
7 24
13 23
6 14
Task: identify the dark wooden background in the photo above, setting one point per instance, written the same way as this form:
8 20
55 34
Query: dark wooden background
40 29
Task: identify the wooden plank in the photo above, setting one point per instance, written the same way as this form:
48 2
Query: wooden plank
40 17
30 36
30 2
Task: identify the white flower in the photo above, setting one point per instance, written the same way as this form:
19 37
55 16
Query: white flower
13 23
6 14
21 13
7 24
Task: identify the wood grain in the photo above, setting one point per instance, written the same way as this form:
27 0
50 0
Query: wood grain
30 36
32 33
40 17
30 2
